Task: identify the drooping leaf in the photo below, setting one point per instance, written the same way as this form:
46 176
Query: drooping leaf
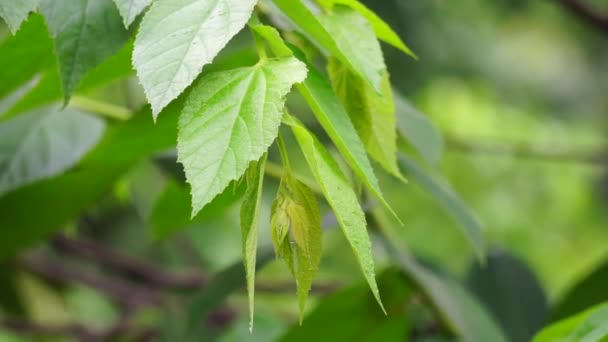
86 32
15 12
27 54
383 31
372 114
341 197
250 220
230 119
511 293
472 227
130 9
296 208
418 130
178 37
334 33
588 326
44 143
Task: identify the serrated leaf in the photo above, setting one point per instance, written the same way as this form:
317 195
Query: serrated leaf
335 33
469 223
590 325
372 114
130 9
341 198
418 130
178 37
383 30
250 217
86 32
44 143
328 110
230 119
14 12
296 207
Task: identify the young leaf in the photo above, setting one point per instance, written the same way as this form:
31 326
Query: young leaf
14 12
372 114
588 326
44 143
337 33
250 210
178 37
230 119
341 197
86 32
130 9
383 31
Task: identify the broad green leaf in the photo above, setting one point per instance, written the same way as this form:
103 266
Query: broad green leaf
86 183
472 227
14 12
44 143
27 54
326 106
335 34
296 207
230 119
341 197
178 37
418 130
383 31
588 326
372 114
130 9
250 221
522 310
86 32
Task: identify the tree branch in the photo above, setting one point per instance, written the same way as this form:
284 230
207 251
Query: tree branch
585 12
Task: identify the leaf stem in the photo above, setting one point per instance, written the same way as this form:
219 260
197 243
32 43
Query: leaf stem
102 108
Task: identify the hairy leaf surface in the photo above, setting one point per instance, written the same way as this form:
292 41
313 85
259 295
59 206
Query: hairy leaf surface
14 12
178 37
230 119
130 9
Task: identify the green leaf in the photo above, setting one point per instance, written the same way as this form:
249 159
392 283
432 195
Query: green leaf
372 114
250 221
296 207
335 33
341 197
130 9
14 12
27 54
471 225
230 119
178 37
418 130
588 326
86 32
44 143
383 31
326 106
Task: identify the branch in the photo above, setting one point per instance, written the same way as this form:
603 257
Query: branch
585 12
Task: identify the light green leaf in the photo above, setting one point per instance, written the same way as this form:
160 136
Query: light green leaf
296 207
335 33
44 143
14 12
372 114
418 130
341 197
250 217
589 326
472 227
383 31
230 119
130 9
178 37
86 32
326 106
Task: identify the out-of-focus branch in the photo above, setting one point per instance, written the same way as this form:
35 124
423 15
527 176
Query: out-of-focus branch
584 11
